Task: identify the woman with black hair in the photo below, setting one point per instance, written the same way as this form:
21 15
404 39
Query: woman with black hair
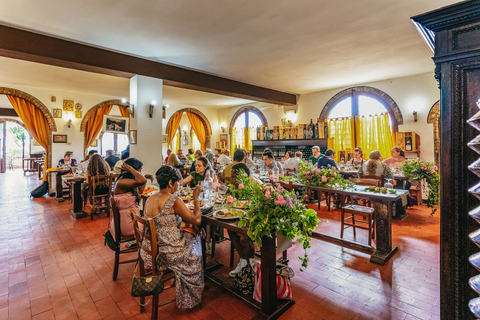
129 185
182 249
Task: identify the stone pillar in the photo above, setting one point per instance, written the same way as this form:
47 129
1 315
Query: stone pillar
144 90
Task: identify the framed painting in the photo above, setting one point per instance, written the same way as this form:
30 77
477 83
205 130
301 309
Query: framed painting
115 124
164 138
59 138
94 143
57 113
67 105
78 114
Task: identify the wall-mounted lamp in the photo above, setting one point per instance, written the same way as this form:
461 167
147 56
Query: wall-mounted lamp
69 122
68 116
131 110
223 125
414 116
150 109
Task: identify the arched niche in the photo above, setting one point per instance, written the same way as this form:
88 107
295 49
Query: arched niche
52 127
390 104
202 117
92 110
434 118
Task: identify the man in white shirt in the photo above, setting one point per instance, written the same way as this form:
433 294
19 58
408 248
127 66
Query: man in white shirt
291 162
84 164
225 158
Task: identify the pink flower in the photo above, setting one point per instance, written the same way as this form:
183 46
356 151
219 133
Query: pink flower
318 170
435 168
251 178
335 174
330 171
229 199
245 175
301 167
280 198
414 170
271 177
324 179
267 194
240 186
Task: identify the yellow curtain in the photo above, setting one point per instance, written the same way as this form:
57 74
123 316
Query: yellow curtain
174 128
238 139
246 138
341 135
251 136
94 126
374 133
199 129
177 145
35 122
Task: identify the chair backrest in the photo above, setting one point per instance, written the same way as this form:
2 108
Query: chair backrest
289 172
286 185
140 224
379 178
366 182
99 180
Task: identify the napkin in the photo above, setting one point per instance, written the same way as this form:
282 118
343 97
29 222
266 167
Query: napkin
403 196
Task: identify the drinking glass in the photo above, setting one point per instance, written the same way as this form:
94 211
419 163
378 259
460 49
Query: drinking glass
388 185
275 174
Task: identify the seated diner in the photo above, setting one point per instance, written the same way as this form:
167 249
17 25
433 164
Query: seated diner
202 167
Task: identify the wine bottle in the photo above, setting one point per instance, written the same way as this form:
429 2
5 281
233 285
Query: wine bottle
316 134
305 132
325 129
311 129
408 144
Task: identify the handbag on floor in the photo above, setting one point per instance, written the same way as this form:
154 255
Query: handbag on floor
284 288
146 285
110 242
244 280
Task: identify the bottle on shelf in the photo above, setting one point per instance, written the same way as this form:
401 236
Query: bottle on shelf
305 132
408 144
310 129
325 129
316 134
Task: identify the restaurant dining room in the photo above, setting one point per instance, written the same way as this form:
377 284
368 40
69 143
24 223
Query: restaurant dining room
320 162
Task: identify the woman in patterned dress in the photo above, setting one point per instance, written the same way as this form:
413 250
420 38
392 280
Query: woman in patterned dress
182 250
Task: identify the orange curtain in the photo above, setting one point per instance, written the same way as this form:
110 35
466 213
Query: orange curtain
94 126
198 128
35 122
174 128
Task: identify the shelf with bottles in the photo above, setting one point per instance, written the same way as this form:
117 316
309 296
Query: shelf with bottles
318 130
279 147
409 142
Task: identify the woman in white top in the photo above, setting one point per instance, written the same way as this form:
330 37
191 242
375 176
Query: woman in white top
375 167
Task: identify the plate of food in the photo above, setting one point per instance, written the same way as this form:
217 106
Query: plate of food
191 205
228 214
240 203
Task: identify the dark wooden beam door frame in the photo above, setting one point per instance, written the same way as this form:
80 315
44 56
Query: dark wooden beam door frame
30 46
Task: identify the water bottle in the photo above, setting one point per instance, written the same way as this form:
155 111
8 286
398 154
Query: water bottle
208 185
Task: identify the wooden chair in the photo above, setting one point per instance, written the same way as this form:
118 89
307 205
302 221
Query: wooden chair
290 172
139 224
287 185
99 201
367 213
119 239
379 178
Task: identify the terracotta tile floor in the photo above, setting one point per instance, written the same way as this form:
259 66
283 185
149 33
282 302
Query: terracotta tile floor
55 267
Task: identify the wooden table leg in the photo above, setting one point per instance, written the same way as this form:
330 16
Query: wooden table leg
269 280
59 187
383 231
77 200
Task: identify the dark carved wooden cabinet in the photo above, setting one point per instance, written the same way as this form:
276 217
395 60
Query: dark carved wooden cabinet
454 33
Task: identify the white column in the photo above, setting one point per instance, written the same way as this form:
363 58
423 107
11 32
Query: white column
144 90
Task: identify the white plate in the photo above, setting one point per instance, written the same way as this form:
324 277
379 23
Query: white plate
228 218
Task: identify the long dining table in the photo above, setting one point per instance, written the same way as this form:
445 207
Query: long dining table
384 211
270 307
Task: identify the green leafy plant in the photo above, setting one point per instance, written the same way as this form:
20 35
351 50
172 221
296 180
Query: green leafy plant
274 209
324 177
427 172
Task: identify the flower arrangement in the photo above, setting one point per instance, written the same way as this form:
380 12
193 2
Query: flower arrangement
274 209
415 169
325 177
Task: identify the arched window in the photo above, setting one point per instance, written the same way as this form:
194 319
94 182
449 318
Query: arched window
361 117
243 127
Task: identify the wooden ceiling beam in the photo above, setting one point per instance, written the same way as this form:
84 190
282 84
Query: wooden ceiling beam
35 47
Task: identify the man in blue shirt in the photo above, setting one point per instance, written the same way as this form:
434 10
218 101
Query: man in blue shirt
327 160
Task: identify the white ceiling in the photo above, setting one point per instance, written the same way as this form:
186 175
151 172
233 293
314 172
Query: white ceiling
294 46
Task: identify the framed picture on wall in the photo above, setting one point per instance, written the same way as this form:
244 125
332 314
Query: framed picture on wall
67 105
133 136
115 124
164 138
94 143
57 113
59 138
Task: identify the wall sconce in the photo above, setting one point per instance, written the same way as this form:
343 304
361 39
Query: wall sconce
68 117
69 123
131 110
223 125
414 116
150 109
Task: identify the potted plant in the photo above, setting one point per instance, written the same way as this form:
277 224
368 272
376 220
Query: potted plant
273 209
